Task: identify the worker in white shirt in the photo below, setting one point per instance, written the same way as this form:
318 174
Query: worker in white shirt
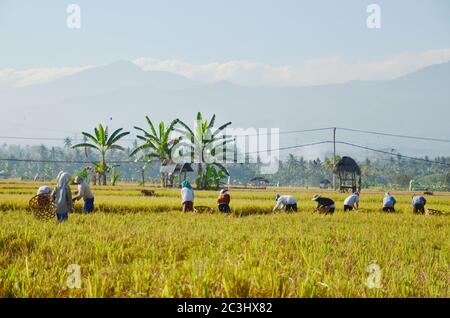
351 202
85 193
285 203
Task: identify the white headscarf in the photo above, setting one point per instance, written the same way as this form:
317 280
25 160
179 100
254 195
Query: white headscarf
64 180
63 197
59 176
44 190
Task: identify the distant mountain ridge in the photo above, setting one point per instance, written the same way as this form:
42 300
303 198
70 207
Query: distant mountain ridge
417 103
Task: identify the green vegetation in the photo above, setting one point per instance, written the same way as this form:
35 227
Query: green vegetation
136 246
156 145
206 143
293 171
202 144
103 143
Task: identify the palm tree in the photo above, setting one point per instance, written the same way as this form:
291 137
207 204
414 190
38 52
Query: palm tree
204 143
86 149
157 144
329 163
103 143
67 143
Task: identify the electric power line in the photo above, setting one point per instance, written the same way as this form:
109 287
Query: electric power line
290 147
254 135
391 154
251 135
130 161
394 135
247 153
128 139
62 161
32 138
287 132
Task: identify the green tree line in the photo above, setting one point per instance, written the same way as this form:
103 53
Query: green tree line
380 172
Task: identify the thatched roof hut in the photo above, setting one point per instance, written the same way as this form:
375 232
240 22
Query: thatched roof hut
324 184
259 181
347 164
170 169
349 174
169 166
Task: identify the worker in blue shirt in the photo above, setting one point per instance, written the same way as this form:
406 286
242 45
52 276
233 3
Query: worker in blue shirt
418 203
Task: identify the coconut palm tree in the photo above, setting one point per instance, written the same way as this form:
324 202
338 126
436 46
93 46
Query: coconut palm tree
86 149
103 142
157 143
67 143
205 143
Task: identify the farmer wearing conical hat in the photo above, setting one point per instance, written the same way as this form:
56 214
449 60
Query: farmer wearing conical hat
324 204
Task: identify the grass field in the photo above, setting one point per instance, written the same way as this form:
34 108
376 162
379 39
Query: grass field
135 246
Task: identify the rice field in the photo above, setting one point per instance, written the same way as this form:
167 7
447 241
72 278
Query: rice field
137 246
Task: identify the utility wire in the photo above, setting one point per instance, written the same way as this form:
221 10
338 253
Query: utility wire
32 138
131 161
290 147
287 132
125 139
391 154
269 133
62 161
393 135
355 146
247 153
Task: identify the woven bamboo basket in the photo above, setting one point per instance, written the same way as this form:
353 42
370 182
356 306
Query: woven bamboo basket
42 207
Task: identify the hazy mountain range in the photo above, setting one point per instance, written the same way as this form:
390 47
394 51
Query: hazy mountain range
121 94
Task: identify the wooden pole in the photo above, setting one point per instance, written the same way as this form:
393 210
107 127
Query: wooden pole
334 157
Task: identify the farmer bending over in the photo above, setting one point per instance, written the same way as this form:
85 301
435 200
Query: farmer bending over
85 193
187 197
418 203
224 201
351 202
63 198
324 204
389 203
286 203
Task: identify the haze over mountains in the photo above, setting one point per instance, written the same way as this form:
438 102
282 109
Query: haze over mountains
121 94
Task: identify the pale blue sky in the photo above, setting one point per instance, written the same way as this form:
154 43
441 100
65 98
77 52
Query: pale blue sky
34 33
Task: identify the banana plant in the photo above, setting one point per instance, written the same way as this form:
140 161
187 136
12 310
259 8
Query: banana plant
156 143
115 175
103 142
205 144
215 174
